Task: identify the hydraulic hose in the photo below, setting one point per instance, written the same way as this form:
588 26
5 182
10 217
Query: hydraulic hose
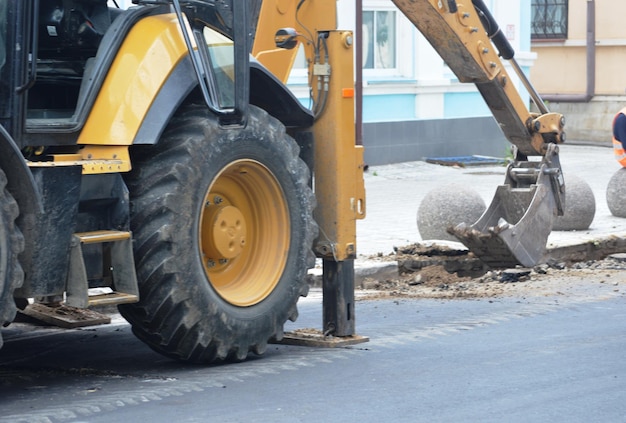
493 30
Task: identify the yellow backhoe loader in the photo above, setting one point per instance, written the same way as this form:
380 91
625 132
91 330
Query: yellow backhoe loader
153 158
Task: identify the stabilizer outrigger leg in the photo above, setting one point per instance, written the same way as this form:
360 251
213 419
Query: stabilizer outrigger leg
515 227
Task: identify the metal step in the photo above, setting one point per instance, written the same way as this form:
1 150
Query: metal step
102 236
113 298
124 287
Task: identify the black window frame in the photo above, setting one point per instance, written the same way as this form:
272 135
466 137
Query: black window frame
549 19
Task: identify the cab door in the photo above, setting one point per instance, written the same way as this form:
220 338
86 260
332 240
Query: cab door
221 59
17 68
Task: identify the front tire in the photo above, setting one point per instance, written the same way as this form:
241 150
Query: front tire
11 245
223 229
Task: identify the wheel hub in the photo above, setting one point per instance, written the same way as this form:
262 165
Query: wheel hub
244 233
228 233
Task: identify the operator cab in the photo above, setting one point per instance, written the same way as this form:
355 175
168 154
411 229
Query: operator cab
69 34
49 85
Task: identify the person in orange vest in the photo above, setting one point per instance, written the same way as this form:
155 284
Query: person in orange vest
619 137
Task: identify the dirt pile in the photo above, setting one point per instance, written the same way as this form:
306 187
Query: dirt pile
437 271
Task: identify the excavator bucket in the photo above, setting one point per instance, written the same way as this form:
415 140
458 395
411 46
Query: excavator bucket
515 227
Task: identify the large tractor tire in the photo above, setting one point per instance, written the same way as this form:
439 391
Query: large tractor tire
11 245
223 234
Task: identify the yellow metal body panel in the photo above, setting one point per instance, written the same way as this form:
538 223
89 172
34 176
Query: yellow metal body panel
94 159
146 58
105 159
339 185
318 15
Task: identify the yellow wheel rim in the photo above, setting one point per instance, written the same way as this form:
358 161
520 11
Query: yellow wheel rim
244 233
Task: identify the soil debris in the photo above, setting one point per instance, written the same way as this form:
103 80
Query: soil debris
441 271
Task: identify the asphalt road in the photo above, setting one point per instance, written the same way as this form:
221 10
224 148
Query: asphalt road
499 360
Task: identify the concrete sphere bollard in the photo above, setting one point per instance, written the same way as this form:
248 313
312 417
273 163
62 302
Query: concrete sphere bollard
448 205
616 193
580 206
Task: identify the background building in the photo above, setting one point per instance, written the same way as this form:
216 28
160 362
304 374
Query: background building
413 105
581 51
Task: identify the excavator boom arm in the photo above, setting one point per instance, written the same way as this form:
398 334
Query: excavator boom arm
515 227
462 35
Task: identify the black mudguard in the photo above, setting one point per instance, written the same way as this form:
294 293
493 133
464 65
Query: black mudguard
266 92
271 95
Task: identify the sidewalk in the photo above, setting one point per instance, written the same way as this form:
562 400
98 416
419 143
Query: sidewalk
394 193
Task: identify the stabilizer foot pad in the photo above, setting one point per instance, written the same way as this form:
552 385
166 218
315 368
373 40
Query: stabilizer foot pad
315 338
65 316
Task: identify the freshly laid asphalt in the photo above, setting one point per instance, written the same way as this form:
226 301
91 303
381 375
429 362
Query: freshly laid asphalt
427 360
394 194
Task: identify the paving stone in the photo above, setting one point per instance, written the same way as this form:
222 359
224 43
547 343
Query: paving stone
618 257
514 275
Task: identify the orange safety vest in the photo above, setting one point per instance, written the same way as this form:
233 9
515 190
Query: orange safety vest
618 148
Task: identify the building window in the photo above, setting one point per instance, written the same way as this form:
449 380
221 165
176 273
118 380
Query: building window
379 39
549 19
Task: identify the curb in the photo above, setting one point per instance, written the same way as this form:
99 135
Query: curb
596 249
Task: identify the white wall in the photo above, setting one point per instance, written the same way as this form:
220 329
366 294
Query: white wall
121 3
420 73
